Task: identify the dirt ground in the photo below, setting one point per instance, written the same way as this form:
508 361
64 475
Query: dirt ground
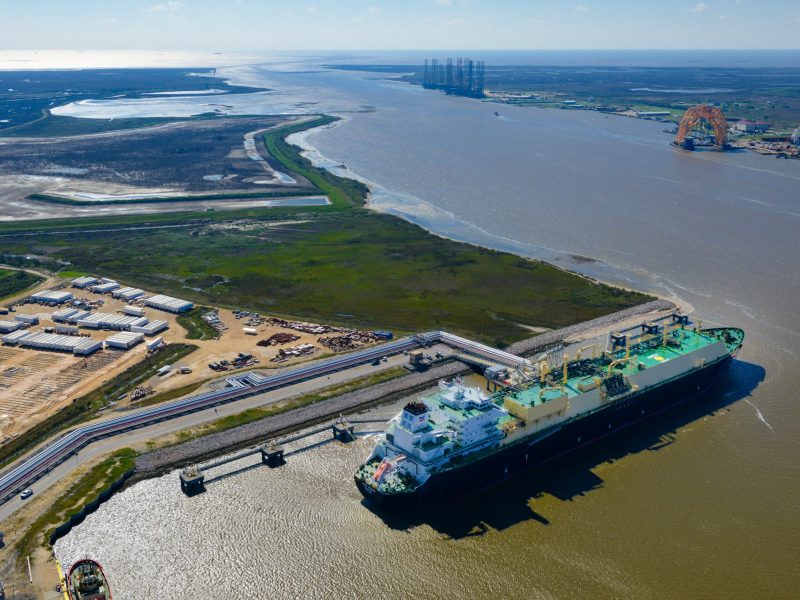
34 384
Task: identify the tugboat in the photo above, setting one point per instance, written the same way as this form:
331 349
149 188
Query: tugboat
86 581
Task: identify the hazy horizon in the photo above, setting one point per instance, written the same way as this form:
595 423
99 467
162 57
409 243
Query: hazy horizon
381 25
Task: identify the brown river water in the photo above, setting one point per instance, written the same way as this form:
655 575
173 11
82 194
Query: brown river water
699 503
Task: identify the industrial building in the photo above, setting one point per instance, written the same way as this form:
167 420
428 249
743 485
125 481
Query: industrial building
61 316
155 343
151 328
52 297
29 319
79 346
134 311
12 339
109 321
124 340
169 304
83 282
80 314
67 330
127 293
9 326
105 288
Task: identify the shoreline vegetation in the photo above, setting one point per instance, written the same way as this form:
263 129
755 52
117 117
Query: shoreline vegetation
13 281
340 263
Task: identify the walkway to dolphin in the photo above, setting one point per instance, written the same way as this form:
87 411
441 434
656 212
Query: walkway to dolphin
241 386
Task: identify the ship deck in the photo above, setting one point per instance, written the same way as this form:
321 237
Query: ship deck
646 352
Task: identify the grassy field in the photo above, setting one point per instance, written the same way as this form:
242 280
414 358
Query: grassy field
88 406
353 267
83 491
339 263
55 126
13 282
196 328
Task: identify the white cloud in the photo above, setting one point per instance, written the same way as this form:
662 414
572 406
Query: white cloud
444 2
582 8
701 7
374 10
164 6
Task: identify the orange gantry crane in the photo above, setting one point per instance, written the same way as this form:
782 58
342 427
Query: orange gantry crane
712 115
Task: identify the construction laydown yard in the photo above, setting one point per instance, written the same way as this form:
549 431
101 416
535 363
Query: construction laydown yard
35 383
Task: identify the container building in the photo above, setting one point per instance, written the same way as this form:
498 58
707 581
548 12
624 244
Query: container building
83 282
52 297
151 328
81 314
105 288
13 338
80 346
127 293
9 326
124 340
61 316
67 329
155 343
134 311
169 304
29 319
250 330
111 321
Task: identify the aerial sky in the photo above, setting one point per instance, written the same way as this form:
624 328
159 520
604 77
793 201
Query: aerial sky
264 25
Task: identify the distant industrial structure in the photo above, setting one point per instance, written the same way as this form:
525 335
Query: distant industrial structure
464 78
693 128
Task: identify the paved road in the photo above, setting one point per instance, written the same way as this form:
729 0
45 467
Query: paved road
149 432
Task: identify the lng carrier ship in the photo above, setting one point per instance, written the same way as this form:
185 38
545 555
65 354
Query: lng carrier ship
460 439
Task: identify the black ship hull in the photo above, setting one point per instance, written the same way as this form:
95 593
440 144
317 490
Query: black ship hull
549 445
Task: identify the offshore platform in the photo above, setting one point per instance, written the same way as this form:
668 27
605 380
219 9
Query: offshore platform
464 78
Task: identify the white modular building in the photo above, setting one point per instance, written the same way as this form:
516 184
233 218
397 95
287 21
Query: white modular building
13 338
111 321
29 319
105 288
168 303
80 346
127 293
134 311
155 343
52 297
67 329
124 340
151 328
83 282
81 314
9 326
61 316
